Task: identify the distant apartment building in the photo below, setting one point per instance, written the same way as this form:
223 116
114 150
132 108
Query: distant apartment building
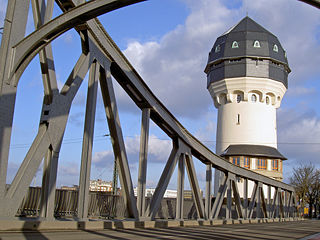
100 186
150 192
73 188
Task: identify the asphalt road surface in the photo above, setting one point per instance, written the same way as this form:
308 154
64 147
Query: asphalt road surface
306 230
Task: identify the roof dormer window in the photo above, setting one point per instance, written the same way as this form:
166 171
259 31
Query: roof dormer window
275 48
256 44
235 44
217 49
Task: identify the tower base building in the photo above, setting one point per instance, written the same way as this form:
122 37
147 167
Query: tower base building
247 75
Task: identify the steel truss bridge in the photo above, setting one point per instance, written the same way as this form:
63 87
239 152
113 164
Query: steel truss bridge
103 59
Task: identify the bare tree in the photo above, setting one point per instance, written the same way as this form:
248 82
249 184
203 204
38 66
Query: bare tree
316 189
306 180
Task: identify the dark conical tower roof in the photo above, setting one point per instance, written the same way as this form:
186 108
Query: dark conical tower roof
247 40
247 25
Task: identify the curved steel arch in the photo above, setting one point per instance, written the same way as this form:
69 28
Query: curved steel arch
30 46
315 3
104 59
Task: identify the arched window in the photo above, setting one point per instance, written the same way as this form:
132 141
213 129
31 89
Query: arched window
267 100
217 48
235 44
253 98
275 48
238 98
256 44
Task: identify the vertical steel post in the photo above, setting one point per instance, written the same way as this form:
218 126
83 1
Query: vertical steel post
48 191
144 138
86 157
229 200
258 207
208 191
245 197
269 201
180 187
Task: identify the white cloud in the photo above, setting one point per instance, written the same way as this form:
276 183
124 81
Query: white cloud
68 38
69 169
299 136
158 151
103 159
207 132
173 67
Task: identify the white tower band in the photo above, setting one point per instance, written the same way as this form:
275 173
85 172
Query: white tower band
247 74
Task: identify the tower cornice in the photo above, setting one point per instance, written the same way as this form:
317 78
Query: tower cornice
227 90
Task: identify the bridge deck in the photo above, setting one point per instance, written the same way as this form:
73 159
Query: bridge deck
309 229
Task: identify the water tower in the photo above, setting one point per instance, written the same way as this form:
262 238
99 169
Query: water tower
247 74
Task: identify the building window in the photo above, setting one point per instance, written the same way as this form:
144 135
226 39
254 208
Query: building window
238 98
236 161
256 44
238 119
217 48
267 100
235 44
262 164
275 165
275 48
253 98
246 162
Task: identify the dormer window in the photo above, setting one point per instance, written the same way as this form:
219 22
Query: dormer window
275 48
256 44
235 44
217 49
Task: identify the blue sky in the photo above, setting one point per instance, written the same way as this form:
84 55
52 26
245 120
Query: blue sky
168 42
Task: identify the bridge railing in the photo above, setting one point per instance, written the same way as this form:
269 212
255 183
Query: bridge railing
103 205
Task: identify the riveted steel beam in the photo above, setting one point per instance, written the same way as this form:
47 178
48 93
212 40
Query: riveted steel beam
142 177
